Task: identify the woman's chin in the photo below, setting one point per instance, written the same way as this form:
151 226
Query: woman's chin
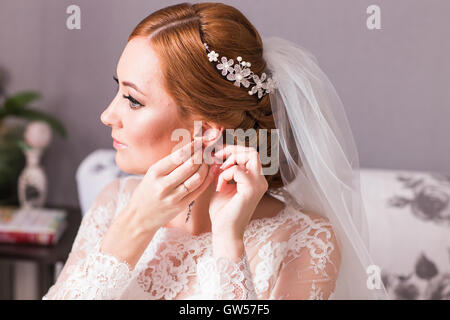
122 163
126 165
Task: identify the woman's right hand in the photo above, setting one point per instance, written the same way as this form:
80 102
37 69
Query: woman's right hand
157 199
161 195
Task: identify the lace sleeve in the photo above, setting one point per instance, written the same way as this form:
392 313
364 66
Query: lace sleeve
310 267
89 273
224 279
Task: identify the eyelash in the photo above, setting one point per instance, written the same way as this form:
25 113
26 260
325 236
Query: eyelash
133 100
130 98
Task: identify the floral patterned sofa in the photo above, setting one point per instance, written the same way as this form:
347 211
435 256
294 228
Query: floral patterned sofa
409 222
408 215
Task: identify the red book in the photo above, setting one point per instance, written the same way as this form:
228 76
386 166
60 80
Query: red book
35 225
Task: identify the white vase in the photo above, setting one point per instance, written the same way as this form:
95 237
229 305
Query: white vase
32 184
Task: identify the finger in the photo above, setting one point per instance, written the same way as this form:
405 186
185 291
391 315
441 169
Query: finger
193 195
229 149
230 160
184 171
248 158
194 181
167 164
236 173
240 158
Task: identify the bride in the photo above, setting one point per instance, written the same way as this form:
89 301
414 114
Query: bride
209 218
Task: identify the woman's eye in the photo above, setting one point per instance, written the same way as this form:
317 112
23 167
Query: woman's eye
134 104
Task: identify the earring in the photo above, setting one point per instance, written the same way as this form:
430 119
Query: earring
189 212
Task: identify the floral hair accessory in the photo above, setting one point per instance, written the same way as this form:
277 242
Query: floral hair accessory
240 73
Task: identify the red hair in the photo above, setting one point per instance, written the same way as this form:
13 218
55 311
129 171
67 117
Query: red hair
177 34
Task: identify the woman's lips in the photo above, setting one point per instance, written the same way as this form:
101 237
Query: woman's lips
118 145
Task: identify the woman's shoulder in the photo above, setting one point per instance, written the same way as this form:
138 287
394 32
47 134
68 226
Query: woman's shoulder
279 220
272 206
311 234
292 221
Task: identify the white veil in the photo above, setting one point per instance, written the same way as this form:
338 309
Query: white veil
318 159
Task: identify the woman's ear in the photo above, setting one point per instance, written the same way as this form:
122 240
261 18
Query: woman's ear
210 136
208 133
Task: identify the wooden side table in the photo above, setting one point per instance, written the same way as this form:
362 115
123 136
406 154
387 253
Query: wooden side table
44 256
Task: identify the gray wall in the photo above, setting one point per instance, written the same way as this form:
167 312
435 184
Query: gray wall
394 82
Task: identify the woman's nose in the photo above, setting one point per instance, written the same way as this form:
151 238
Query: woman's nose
110 117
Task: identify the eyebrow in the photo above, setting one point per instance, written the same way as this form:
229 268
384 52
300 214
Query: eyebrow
130 84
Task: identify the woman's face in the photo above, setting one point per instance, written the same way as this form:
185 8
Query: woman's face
145 118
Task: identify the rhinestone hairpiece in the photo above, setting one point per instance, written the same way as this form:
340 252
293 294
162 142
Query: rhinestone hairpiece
240 73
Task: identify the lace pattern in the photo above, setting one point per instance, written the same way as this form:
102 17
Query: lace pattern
223 279
98 276
288 256
271 256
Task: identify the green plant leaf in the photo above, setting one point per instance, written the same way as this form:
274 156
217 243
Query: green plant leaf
3 113
38 115
21 99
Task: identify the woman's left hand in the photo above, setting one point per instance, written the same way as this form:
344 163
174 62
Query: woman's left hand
233 204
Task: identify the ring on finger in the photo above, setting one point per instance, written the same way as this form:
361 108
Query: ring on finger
185 189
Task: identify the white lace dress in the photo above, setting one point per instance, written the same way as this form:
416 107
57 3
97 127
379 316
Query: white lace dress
292 255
